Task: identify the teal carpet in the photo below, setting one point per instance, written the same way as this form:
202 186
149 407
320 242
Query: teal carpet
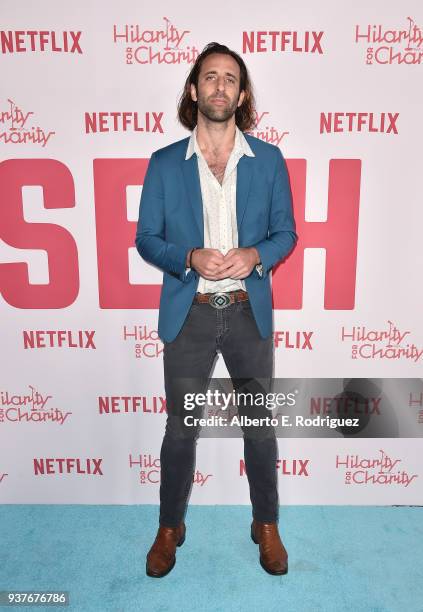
341 558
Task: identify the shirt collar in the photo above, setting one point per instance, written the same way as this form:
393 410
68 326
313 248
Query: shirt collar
241 144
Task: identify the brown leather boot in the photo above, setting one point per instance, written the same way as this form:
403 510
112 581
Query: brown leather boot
161 556
273 555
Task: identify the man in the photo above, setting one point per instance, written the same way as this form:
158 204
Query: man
215 216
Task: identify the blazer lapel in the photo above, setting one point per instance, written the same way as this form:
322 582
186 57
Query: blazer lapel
243 183
193 188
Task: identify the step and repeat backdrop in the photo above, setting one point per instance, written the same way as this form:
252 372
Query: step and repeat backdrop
88 92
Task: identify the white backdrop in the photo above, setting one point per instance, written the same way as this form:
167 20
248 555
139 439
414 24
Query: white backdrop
71 175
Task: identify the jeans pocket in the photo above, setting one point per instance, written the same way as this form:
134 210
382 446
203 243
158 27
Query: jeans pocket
245 305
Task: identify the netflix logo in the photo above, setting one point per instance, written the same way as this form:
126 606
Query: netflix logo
295 42
356 404
293 340
381 123
52 466
118 404
58 339
286 467
21 41
123 122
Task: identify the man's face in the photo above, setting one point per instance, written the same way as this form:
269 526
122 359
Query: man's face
218 94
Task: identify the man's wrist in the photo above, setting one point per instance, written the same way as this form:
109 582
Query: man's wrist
188 258
257 254
188 262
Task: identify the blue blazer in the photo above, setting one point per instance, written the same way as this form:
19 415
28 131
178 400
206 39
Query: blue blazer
171 223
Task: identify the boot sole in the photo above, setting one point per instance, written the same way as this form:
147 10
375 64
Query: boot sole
280 573
170 568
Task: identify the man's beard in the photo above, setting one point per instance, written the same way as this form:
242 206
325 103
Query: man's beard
219 113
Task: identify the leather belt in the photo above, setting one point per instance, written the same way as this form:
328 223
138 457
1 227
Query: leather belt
220 299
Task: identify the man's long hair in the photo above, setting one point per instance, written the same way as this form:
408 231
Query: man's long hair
187 108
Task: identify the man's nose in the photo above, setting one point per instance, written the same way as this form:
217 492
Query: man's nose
220 84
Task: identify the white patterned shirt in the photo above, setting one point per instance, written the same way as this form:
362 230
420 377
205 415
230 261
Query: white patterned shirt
219 207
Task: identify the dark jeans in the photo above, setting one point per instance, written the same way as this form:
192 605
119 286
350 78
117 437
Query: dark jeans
188 361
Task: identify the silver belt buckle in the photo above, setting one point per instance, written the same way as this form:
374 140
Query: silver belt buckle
219 300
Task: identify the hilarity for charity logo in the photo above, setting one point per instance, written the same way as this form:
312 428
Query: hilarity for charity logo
15 128
390 343
381 470
391 46
149 470
264 130
416 401
146 341
166 45
31 407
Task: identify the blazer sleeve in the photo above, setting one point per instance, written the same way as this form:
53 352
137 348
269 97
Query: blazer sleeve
281 235
150 235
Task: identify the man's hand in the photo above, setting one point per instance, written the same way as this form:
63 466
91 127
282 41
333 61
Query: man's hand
207 263
238 263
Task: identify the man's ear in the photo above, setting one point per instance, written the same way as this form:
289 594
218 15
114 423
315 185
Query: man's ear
193 93
241 98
